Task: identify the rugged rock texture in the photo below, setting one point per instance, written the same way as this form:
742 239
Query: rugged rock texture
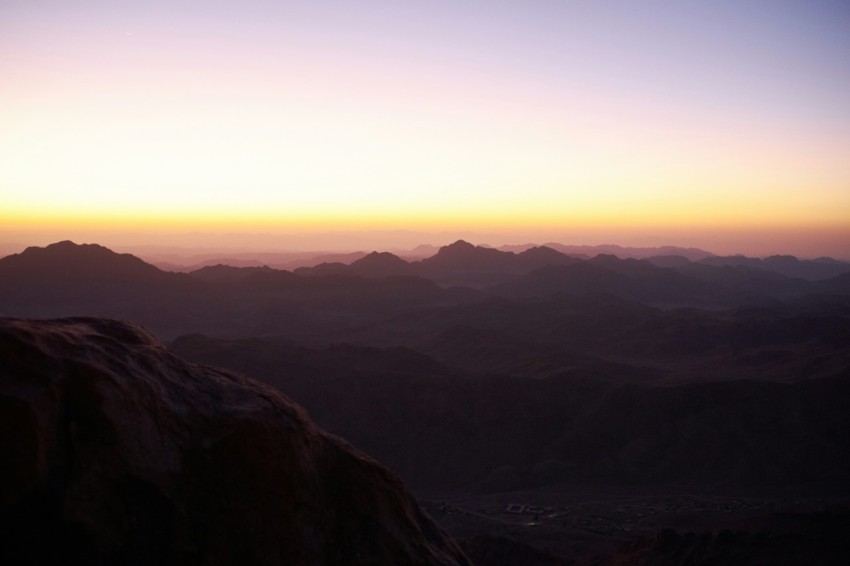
116 451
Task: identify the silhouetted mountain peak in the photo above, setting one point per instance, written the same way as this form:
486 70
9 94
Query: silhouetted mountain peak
325 268
67 246
541 252
380 264
460 246
541 256
464 251
463 264
66 258
380 259
694 254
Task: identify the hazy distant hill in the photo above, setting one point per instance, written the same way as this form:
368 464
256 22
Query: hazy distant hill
786 265
668 260
372 265
380 264
84 262
333 299
462 263
370 300
221 272
747 281
278 260
632 279
66 279
693 254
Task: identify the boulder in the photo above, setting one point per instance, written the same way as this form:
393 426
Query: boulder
117 451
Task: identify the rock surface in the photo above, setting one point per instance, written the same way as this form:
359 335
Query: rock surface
116 451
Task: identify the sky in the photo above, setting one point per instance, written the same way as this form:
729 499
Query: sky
723 125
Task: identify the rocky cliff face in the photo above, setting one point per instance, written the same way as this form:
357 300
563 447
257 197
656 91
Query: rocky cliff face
116 451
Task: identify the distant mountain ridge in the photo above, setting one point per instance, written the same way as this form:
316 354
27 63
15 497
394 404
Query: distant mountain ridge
78 260
789 266
66 279
460 263
623 252
482 263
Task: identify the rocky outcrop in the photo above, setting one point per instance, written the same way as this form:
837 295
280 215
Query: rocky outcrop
116 451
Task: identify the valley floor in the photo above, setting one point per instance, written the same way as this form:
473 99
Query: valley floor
594 525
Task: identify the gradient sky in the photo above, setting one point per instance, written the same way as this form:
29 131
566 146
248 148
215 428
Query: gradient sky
722 124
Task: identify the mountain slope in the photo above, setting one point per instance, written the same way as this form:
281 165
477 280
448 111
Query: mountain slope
462 263
64 266
373 265
116 451
596 422
67 279
380 264
87 260
789 266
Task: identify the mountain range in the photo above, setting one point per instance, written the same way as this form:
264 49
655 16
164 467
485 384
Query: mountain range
481 371
330 300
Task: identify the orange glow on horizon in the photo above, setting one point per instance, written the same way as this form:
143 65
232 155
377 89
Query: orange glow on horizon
413 119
